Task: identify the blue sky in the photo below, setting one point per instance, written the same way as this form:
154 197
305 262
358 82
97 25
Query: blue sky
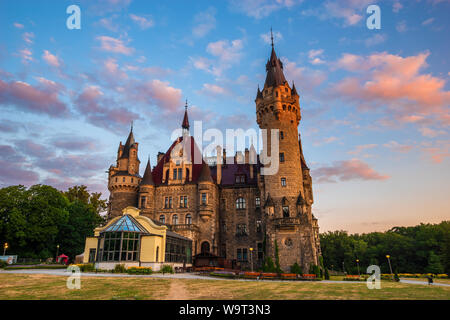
375 103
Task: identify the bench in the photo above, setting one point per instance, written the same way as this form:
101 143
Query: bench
289 276
269 275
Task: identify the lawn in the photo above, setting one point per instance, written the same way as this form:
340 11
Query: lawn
26 286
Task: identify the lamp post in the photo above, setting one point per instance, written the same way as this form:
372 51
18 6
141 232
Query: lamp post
57 250
357 263
251 258
390 268
5 246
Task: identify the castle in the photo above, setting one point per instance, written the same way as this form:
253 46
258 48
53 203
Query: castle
230 209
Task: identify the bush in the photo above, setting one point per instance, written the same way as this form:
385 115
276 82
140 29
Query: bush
269 266
87 267
140 270
396 278
167 269
3 264
314 269
295 268
120 268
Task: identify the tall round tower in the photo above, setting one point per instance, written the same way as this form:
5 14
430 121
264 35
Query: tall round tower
124 178
287 185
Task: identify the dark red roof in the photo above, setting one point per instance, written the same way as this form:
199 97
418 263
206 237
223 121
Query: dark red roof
148 178
230 171
185 124
126 148
195 157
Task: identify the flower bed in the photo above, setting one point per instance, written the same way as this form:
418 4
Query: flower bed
140 270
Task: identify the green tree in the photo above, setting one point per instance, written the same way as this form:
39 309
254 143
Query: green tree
434 264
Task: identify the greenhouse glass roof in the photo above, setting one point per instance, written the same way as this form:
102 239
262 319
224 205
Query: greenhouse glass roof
126 224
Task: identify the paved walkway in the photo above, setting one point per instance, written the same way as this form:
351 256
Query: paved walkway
65 273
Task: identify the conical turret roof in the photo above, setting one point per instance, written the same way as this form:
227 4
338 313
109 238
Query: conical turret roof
274 68
205 175
148 178
128 144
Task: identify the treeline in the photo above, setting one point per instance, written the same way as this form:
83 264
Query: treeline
36 220
424 248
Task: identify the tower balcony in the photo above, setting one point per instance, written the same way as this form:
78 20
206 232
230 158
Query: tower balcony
286 222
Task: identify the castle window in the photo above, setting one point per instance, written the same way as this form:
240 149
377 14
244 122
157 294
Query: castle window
183 201
284 107
240 203
167 174
276 93
175 219
143 200
175 174
187 174
242 254
162 218
286 89
257 202
281 135
204 200
116 179
258 226
283 182
241 229
285 212
289 108
188 219
123 179
180 173
132 180
170 202
281 156
260 251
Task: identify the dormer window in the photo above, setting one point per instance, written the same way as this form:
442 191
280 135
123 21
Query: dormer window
240 178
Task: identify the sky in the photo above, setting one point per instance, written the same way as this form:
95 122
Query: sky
374 102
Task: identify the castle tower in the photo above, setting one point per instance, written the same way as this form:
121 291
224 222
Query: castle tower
146 201
288 223
124 178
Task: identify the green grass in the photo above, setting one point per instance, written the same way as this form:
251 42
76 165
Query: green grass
27 286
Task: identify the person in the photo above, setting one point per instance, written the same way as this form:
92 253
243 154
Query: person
430 279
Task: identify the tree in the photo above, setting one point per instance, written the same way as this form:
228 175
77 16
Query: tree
81 193
434 264
277 259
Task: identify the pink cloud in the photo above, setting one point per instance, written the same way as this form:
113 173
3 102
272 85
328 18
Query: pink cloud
144 22
18 25
114 45
42 98
51 59
347 170
13 170
157 92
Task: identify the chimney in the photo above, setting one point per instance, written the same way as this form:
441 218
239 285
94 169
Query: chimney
251 171
247 156
219 164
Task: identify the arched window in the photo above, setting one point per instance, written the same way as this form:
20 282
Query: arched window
157 254
162 218
240 203
175 219
188 219
205 247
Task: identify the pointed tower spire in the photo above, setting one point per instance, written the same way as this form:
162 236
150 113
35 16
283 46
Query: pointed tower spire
185 124
147 179
128 144
294 90
274 68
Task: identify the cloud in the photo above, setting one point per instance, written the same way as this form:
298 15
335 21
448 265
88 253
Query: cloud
267 37
346 170
396 7
51 59
144 22
395 82
351 11
430 133
361 148
376 39
13 169
26 55
226 52
102 111
110 23
112 71
156 92
28 37
18 25
114 45
427 21
305 78
213 90
437 151
261 8
397 147
42 98
315 56
204 22
401 26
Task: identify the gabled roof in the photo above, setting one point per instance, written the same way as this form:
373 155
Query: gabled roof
194 155
147 179
274 68
269 201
